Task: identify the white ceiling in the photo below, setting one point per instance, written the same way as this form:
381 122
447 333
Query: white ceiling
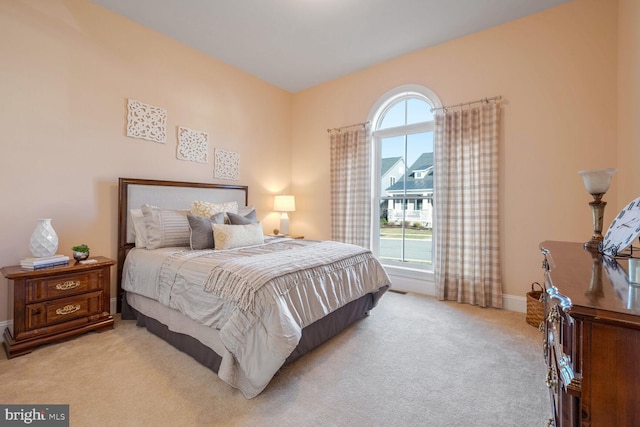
296 44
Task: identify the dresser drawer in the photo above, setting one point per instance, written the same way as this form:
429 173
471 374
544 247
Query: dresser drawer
62 310
63 285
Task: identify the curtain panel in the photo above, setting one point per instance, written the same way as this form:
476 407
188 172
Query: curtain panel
467 253
351 185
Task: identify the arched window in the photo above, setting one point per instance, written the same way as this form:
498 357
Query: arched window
402 134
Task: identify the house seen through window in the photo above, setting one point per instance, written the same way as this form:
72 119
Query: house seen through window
403 138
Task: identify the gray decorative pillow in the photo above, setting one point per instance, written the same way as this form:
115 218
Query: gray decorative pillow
237 219
244 210
201 231
219 218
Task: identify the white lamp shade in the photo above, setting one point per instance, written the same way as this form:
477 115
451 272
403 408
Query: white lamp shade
284 203
597 181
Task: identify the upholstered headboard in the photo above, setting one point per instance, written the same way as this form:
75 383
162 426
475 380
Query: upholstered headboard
133 193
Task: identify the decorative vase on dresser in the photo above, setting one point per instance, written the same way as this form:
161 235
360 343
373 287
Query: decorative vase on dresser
44 240
55 303
591 338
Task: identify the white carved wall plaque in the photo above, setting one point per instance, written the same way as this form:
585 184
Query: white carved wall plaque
193 145
146 121
227 165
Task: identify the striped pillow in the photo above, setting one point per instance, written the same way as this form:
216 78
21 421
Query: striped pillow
166 227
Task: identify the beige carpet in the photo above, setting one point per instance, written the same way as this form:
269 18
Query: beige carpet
413 362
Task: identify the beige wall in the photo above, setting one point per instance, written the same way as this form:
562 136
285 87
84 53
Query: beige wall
628 101
557 73
67 68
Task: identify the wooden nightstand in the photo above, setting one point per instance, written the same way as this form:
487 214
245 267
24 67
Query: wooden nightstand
57 303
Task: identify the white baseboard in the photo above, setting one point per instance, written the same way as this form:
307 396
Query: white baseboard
3 326
427 287
514 303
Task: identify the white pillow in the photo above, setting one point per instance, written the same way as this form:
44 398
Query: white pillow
226 236
207 209
139 228
165 227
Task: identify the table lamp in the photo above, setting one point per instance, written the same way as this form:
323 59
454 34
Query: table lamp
284 204
597 183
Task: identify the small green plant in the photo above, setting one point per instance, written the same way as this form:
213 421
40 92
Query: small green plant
80 248
417 224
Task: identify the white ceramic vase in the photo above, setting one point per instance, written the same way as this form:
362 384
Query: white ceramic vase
44 240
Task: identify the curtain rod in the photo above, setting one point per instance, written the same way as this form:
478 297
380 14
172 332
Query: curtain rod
462 104
349 126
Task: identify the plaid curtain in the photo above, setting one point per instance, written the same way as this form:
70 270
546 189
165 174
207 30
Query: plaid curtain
467 255
351 185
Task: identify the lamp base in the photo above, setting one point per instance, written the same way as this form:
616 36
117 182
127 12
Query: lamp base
597 210
284 224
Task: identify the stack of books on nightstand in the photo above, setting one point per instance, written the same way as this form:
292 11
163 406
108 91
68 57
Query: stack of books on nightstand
44 262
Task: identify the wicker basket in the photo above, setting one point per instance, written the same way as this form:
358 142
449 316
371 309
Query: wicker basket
535 306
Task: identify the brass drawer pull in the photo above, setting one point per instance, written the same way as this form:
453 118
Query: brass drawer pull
68 309
69 284
551 379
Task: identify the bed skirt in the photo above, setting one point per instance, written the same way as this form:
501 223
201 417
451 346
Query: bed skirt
313 335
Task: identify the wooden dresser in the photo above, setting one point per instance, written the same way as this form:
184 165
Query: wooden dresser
591 338
56 303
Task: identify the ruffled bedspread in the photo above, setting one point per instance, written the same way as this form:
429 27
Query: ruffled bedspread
260 297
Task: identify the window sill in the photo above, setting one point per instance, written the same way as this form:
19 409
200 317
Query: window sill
405 279
413 273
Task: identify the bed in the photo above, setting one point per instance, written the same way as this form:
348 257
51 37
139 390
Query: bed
247 307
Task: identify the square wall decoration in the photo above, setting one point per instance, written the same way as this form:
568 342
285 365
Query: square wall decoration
193 145
227 165
145 121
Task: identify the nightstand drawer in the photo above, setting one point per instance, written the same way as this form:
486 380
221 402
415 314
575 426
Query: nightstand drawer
62 286
62 310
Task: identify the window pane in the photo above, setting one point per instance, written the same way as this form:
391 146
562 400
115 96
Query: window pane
417 244
419 152
418 111
406 206
391 240
392 162
405 240
394 116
